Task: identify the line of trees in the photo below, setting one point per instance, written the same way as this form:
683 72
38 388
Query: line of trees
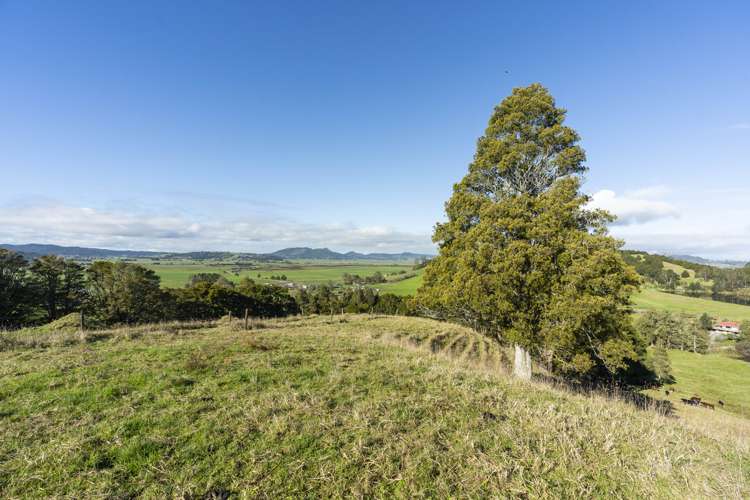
44 290
673 331
325 299
356 279
118 292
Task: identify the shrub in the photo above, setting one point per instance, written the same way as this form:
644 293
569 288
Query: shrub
743 349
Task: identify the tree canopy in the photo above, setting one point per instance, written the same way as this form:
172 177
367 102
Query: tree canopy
521 257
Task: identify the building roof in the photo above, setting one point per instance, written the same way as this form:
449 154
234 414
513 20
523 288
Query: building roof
729 324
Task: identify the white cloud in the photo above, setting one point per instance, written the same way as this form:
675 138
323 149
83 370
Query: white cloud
710 223
84 226
635 207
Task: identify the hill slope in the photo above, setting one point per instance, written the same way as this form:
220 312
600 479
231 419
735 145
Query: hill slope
357 405
651 299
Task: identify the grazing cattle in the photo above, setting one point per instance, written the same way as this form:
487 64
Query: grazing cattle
694 401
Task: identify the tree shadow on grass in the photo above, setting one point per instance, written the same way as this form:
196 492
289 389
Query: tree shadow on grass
629 395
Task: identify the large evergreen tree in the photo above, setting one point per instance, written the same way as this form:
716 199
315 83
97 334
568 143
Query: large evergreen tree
522 259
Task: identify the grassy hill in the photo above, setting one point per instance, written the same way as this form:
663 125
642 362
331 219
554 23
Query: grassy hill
650 298
357 405
712 377
408 286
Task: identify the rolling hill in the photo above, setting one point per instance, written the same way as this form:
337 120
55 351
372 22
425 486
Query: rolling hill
366 406
33 250
306 253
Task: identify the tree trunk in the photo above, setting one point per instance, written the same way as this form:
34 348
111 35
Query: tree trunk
522 363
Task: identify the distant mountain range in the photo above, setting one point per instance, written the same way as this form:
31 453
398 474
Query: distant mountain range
33 250
305 253
710 262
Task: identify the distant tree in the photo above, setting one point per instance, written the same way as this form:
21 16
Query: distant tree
661 365
696 339
706 322
245 283
669 279
17 298
685 274
209 278
669 331
389 303
745 329
377 277
647 326
521 258
695 289
743 349
121 292
60 284
673 332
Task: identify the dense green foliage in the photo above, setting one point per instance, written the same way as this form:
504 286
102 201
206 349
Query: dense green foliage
661 366
743 349
206 300
44 290
672 331
119 292
356 279
324 299
17 297
521 258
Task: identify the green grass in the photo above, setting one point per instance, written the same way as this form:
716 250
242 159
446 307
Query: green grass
176 275
706 284
712 377
359 406
408 286
650 298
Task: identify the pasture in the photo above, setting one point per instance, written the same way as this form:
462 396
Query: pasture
408 286
712 377
366 406
651 299
177 273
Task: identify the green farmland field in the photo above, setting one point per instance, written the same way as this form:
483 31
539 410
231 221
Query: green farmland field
651 299
177 275
712 377
404 287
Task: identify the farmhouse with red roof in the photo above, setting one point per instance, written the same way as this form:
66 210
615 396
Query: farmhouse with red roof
725 329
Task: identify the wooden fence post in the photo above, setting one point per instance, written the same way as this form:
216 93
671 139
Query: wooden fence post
247 314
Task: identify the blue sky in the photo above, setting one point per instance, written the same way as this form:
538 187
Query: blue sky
254 126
